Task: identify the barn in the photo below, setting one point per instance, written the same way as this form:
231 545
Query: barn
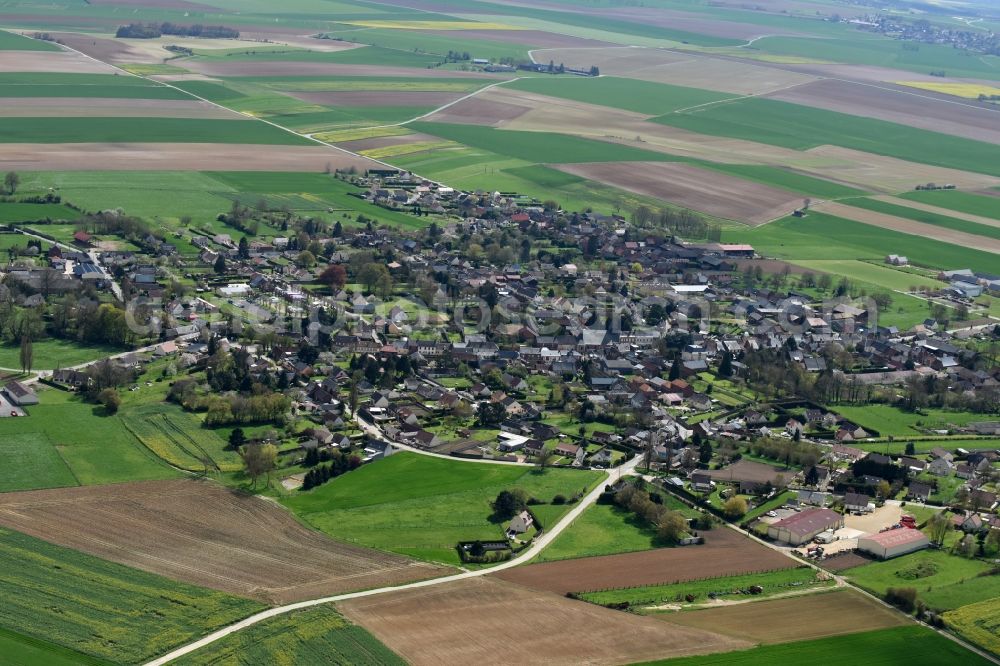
802 527
886 545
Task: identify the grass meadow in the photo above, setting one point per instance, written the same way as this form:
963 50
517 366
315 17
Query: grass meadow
32 461
149 130
645 97
10 41
52 353
963 202
913 645
100 608
96 448
801 127
422 507
20 650
822 236
926 217
954 582
311 637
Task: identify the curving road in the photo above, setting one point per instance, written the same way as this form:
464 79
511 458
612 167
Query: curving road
532 551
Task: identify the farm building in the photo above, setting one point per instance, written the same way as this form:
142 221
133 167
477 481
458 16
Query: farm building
893 543
19 394
802 527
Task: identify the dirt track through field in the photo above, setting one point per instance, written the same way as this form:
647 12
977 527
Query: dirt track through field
724 553
794 618
691 187
483 621
204 534
174 157
913 227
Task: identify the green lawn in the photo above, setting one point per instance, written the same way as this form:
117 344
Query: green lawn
101 608
963 202
955 583
821 236
52 353
889 420
96 448
20 650
925 445
876 274
926 217
725 587
629 94
912 646
149 130
422 506
21 212
31 461
801 127
310 637
10 41
603 529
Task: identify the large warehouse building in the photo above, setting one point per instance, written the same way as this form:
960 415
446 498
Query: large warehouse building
802 527
893 543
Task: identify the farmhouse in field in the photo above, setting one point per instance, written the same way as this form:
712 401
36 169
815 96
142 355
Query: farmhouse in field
802 527
886 545
520 523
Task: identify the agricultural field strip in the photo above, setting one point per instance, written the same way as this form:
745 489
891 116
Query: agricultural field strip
532 551
938 210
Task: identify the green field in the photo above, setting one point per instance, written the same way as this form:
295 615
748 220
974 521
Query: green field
177 437
101 608
876 274
785 179
20 650
926 217
31 461
955 583
311 637
366 55
822 236
888 420
909 646
603 529
23 212
422 506
926 445
979 623
652 99
10 41
539 147
725 587
96 448
963 202
420 41
52 353
801 127
148 130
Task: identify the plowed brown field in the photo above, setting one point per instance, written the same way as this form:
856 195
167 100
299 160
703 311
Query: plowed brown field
794 618
724 553
202 533
483 621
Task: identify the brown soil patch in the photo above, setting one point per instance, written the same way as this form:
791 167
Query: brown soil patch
202 533
714 193
911 108
108 50
386 141
844 560
748 470
480 110
537 38
174 157
794 618
913 227
293 68
725 553
979 219
80 107
51 61
681 69
482 621
378 98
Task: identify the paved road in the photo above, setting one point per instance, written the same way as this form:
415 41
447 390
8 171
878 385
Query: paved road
528 554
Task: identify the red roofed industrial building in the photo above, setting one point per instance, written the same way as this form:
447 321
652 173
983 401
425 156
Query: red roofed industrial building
893 543
802 527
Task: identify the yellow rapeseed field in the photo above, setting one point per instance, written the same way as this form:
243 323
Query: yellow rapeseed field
967 90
